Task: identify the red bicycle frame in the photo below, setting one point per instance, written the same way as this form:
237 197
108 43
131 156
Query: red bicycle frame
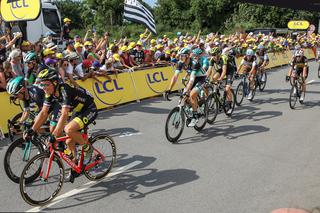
77 168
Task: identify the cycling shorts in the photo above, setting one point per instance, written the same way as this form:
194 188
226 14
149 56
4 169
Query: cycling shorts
86 116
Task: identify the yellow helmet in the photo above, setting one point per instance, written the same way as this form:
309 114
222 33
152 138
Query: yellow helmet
124 48
65 20
116 57
153 41
59 56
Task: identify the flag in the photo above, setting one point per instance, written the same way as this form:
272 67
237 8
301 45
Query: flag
134 11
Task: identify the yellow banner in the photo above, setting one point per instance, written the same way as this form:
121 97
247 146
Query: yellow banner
8 111
20 10
298 25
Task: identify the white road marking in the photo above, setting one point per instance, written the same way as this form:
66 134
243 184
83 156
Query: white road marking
86 186
310 82
129 134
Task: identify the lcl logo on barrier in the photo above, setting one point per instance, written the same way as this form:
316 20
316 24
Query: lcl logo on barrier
108 86
156 78
15 4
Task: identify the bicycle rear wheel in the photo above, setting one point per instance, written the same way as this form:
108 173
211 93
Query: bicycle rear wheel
103 157
293 97
174 125
239 94
213 109
203 116
17 156
41 191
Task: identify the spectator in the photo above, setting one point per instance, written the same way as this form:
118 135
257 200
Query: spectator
65 34
69 48
88 46
79 50
6 74
159 55
15 61
138 54
96 67
125 59
48 38
72 63
77 39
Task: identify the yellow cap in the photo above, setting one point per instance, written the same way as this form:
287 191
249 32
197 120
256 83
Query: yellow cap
132 44
77 45
87 43
25 43
124 48
153 41
110 46
141 35
66 20
116 57
48 52
168 52
139 43
175 40
153 49
159 46
59 56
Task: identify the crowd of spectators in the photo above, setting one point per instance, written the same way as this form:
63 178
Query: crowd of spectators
92 57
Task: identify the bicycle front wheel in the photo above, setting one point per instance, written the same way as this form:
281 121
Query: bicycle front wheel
228 106
293 97
213 109
17 156
263 81
174 125
240 94
103 157
42 190
203 116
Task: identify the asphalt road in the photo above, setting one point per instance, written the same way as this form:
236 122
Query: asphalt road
263 158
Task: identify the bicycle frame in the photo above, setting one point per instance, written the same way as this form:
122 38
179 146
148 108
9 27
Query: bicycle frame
77 168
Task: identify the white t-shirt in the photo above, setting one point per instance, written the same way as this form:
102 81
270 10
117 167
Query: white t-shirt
69 69
79 70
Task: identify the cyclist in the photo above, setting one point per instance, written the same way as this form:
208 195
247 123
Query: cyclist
31 67
75 100
35 98
249 64
263 60
195 84
224 68
299 65
297 48
182 64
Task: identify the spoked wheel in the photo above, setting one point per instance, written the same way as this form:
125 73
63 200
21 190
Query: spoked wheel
174 125
213 109
12 123
228 106
103 157
293 97
17 156
203 116
263 81
253 91
239 94
42 190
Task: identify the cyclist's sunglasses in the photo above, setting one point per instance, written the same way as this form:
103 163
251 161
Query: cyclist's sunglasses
44 85
215 54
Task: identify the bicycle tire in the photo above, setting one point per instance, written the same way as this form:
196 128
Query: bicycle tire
15 176
204 115
97 156
23 181
239 93
181 124
253 91
225 103
262 85
13 121
293 98
213 109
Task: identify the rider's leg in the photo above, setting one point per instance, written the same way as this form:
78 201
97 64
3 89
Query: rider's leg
72 130
173 81
194 99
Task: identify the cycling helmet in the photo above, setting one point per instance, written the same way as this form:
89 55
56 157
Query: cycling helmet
15 85
197 51
215 50
299 53
250 52
260 47
47 74
30 56
184 51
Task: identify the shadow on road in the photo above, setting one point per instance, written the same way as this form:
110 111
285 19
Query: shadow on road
139 182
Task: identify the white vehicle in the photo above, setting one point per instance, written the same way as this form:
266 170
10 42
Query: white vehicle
49 20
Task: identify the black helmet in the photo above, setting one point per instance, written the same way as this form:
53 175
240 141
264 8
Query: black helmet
47 74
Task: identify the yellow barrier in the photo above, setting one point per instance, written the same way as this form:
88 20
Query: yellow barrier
127 87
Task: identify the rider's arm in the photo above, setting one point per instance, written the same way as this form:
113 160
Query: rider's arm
190 83
224 72
62 121
41 118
